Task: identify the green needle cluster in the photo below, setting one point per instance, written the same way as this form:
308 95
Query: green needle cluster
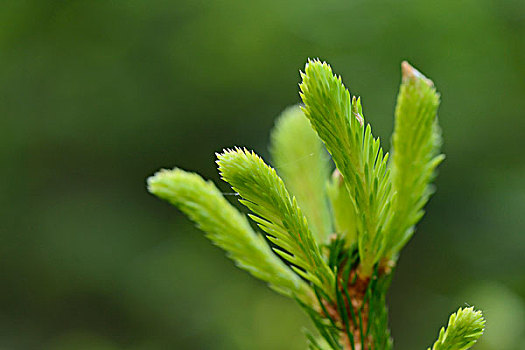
463 330
227 228
330 237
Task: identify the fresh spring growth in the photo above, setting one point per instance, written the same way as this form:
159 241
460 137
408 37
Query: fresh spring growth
330 237
464 328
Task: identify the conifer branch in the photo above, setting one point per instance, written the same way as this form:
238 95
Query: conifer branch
277 213
227 228
340 282
416 142
464 328
304 167
339 122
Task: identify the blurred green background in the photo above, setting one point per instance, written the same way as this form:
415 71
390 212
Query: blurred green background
97 95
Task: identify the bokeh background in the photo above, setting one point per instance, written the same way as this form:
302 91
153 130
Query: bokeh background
97 95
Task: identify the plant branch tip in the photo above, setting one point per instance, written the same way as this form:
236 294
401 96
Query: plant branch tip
410 73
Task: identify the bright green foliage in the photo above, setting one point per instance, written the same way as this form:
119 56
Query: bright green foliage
463 330
277 213
341 247
304 167
416 141
226 227
342 208
339 122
